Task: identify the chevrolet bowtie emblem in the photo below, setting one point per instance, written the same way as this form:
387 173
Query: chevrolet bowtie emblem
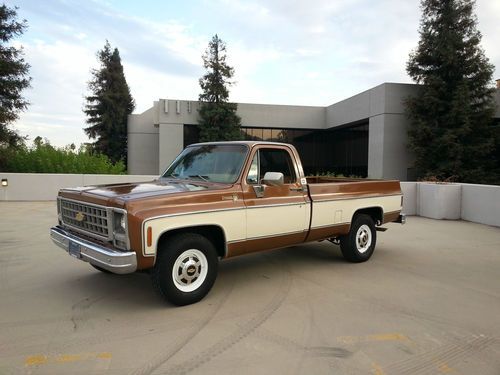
79 216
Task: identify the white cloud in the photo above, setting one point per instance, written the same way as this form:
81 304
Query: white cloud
283 51
60 71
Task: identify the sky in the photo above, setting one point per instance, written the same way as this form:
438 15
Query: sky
283 51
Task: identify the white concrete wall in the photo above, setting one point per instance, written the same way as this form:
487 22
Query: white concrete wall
409 197
256 115
282 116
439 201
471 202
481 204
476 203
44 186
171 144
143 143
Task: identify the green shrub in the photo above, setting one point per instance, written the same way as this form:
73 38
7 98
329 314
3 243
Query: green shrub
42 157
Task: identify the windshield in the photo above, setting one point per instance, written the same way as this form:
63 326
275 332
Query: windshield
214 163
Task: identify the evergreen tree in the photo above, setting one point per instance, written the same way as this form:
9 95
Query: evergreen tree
218 119
451 116
14 76
108 106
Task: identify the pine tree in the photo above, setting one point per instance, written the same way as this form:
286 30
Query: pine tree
108 106
218 119
451 116
14 76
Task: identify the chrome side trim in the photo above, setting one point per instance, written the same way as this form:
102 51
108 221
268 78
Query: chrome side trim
115 261
270 236
277 205
189 226
191 213
350 198
222 209
331 225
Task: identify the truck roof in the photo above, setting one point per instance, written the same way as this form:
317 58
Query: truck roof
248 143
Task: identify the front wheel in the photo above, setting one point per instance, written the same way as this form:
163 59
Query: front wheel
185 269
358 245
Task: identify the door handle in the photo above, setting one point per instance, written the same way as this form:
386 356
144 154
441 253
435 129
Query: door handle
259 190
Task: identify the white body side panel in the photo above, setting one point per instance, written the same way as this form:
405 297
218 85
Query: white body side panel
232 221
277 220
247 223
325 213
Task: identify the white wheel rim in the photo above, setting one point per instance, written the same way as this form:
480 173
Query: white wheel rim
363 238
190 270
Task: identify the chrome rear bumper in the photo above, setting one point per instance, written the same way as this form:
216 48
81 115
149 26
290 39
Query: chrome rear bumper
401 219
112 260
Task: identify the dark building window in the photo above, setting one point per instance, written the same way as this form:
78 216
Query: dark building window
191 135
340 151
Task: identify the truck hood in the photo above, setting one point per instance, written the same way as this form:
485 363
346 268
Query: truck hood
139 190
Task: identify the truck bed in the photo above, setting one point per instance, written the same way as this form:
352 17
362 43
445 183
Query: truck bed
335 201
327 188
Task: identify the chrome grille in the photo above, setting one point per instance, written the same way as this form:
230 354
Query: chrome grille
85 217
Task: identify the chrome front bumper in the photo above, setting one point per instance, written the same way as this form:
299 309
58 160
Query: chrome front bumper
112 260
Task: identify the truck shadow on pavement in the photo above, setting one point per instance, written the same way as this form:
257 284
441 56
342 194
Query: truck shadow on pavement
134 291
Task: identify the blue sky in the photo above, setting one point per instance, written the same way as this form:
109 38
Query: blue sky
284 52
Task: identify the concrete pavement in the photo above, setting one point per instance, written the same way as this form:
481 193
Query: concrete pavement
428 302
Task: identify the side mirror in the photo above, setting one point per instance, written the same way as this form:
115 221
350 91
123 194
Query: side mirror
273 179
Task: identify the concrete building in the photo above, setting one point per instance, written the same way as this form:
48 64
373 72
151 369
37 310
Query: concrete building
365 135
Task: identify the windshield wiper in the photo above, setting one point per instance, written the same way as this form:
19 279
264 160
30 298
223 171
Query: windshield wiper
204 178
173 175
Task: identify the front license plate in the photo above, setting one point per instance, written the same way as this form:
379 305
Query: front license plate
74 249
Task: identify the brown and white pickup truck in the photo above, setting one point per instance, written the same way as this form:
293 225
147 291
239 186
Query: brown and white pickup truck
216 201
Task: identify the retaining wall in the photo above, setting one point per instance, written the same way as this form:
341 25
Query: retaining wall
476 203
44 186
471 202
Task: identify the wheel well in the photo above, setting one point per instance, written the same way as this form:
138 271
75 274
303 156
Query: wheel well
376 213
213 233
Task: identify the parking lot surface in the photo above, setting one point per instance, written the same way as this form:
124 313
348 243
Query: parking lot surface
428 302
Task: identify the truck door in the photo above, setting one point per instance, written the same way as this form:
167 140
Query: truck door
277 216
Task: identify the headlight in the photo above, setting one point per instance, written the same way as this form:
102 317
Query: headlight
123 225
120 235
120 223
59 214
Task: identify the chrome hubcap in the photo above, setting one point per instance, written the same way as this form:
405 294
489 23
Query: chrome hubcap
190 270
363 238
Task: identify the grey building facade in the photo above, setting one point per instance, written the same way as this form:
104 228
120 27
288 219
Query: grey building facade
364 135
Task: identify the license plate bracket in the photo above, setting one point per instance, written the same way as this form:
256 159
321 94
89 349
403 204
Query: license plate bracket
74 249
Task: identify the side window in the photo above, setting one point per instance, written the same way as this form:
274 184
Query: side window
277 160
271 160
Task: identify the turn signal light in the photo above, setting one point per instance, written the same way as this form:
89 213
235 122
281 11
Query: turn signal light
149 237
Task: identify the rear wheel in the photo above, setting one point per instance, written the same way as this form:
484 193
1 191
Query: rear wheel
185 269
358 245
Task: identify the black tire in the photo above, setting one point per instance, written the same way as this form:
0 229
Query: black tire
102 269
358 247
188 247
